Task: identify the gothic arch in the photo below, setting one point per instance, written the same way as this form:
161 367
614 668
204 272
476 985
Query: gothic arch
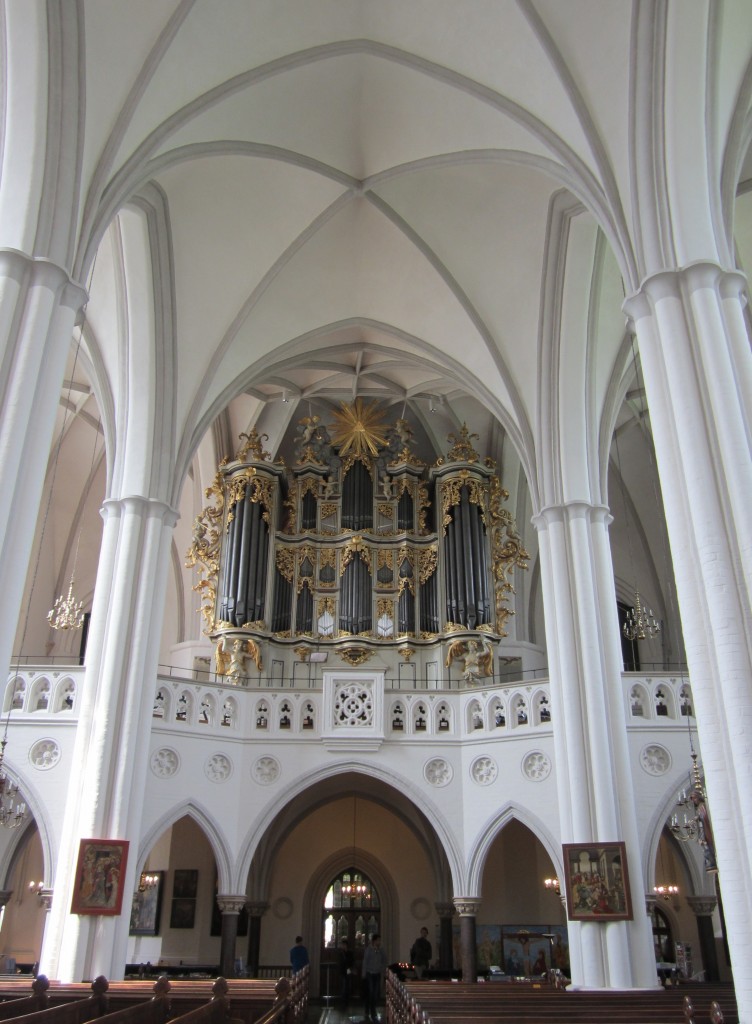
207 825
316 888
493 828
423 817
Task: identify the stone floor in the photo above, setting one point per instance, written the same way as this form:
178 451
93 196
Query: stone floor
335 1015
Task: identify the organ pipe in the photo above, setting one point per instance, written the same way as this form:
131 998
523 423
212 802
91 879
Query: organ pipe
447 571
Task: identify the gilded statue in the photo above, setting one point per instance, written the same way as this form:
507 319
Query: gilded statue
477 658
232 662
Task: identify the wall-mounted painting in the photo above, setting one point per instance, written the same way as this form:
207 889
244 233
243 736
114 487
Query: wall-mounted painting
100 873
184 889
597 886
147 904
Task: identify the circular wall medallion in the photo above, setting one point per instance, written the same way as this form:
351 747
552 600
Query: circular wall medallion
282 908
44 754
165 762
438 772
484 771
420 909
655 759
265 770
536 766
218 768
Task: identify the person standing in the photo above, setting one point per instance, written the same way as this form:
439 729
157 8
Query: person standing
374 965
298 955
421 953
345 961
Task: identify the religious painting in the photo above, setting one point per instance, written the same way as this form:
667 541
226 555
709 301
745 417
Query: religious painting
597 885
100 873
184 890
147 904
185 884
488 945
183 913
526 950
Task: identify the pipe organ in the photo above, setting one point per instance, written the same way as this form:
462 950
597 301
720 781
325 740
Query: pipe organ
358 547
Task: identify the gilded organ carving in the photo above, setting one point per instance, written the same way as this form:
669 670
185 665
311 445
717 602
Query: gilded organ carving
346 543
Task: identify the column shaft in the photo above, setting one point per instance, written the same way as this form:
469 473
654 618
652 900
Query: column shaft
38 305
110 758
697 367
468 909
595 793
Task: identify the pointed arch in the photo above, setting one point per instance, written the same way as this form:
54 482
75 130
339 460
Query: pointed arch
208 825
493 827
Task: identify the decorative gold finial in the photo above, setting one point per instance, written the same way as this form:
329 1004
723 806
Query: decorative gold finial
254 446
462 449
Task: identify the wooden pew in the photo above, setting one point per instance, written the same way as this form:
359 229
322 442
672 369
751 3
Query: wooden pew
75 1011
499 1003
250 1000
38 1000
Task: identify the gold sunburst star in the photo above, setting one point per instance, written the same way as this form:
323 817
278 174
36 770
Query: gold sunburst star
359 427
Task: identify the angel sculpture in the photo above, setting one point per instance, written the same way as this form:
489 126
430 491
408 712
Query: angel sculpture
477 658
232 663
400 437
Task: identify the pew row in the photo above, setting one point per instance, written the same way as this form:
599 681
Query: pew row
74 1011
189 1002
17 1006
441 1002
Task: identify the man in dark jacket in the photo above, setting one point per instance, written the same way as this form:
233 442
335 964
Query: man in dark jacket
421 953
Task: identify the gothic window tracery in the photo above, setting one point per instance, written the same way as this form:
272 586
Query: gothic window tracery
262 715
474 716
685 700
637 701
420 717
184 707
66 695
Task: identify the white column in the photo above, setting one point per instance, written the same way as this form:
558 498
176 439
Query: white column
38 304
109 771
594 780
697 366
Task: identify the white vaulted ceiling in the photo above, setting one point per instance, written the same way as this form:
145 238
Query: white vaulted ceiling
365 183
405 199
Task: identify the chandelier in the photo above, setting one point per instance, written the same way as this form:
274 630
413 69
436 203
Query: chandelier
356 888
12 808
67 612
640 623
554 885
147 881
666 891
695 824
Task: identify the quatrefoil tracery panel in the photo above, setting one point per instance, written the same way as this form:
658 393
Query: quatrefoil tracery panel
353 705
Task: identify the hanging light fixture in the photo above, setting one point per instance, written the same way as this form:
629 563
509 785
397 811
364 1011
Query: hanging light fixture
695 824
67 612
554 885
664 889
640 623
12 808
357 887
147 881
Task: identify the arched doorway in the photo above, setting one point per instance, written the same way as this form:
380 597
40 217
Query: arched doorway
351 911
663 936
